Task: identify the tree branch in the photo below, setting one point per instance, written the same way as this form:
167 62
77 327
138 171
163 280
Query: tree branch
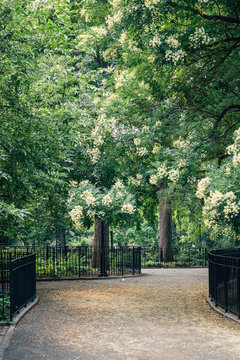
229 128
228 19
230 108
197 11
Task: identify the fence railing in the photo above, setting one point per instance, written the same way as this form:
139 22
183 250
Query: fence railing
224 279
184 256
76 262
18 283
22 282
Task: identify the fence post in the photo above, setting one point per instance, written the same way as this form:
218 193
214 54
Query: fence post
225 287
79 257
238 289
133 260
11 290
53 260
111 233
122 249
2 278
139 260
215 282
103 271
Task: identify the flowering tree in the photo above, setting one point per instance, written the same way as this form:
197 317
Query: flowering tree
175 74
220 193
90 203
136 92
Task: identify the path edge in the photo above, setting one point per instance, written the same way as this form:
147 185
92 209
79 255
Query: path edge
8 335
221 312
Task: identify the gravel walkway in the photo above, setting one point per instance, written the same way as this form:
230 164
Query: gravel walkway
162 315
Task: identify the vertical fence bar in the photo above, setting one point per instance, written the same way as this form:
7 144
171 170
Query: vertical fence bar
11 291
133 260
225 286
79 256
139 260
238 288
122 250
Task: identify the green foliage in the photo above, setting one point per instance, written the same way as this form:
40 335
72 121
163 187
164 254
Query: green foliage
144 92
4 307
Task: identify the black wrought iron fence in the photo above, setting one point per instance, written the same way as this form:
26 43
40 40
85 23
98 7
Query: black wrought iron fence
184 256
224 279
18 282
76 262
22 282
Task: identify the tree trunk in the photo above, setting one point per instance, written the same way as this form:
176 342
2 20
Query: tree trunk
62 238
100 245
165 225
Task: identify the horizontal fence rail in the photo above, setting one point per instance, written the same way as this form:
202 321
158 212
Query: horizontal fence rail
224 279
76 262
186 256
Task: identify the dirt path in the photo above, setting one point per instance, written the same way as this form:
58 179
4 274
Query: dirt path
162 315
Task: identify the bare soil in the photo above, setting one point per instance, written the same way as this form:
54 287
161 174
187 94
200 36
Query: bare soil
162 315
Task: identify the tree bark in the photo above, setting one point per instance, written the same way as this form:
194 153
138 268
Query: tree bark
98 243
165 227
62 238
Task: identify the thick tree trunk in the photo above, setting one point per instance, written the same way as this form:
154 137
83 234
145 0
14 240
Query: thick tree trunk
165 225
100 246
62 238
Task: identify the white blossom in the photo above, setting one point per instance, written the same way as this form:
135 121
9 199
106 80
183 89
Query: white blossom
175 56
155 41
162 171
115 19
152 58
173 42
173 175
155 149
137 141
234 149
123 38
119 184
115 3
109 54
91 213
180 144
142 151
121 77
202 187
150 3
84 182
76 214
199 38
88 197
153 180
182 163
107 199
128 208
95 153
135 180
